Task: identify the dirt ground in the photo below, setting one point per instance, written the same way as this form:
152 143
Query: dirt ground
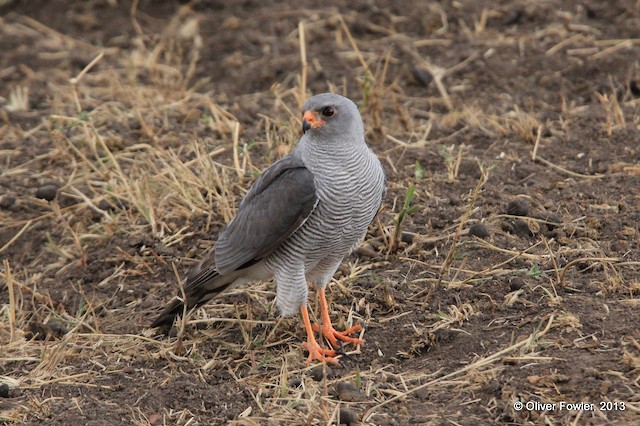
129 133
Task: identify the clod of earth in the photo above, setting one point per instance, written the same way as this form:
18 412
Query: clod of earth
348 392
47 191
518 208
347 416
516 283
7 200
319 372
4 390
479 230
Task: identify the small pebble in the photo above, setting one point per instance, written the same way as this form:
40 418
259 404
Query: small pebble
479 230
553 219
347 417
4 390
106 206
112 205
620 245
348 392
57 329
521 228
518 208
516 283
421 76
423 394
407 238
584 266
366 250
507 226
51 330
47 192
7 200
37 331
294 382
317 372
535 228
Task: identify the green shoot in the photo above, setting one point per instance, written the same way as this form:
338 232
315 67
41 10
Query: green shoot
405 211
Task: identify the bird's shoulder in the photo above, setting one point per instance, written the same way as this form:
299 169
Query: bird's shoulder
279 169
279 202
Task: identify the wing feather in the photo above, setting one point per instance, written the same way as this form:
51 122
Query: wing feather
277 204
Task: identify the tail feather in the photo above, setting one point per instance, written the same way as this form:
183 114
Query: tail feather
204 283
198 291
173 309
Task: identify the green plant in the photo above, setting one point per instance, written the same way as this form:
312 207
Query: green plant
406 210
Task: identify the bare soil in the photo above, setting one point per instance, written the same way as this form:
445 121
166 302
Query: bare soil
129 133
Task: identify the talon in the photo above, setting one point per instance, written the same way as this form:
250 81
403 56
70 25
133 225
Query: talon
340 350
316 352
333 336
330 333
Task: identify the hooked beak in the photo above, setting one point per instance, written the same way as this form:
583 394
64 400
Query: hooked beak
310 120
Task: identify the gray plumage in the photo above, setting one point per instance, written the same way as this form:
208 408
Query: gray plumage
300 218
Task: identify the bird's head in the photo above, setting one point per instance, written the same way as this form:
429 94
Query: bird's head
331 115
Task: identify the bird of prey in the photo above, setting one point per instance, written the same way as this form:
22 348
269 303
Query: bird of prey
298 221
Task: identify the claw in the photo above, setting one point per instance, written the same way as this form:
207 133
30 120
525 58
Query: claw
333 336
316 353
330 333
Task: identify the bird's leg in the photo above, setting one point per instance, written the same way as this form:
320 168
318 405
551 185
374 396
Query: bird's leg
315 351
330 333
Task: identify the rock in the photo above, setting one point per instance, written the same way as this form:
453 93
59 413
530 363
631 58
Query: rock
516 283
4 390
521 228
294 382
518 208
349 393
317 373
479 230
367 250
110 205
421 76
620 246
407 237
51 330
58 329
48 191
7 200
347 417
554 220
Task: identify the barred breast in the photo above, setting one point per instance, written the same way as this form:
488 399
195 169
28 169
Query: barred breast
350 185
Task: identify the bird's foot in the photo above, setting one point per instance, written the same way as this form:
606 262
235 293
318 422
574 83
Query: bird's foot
332 335
317 353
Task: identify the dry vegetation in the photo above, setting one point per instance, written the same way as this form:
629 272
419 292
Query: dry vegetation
504 266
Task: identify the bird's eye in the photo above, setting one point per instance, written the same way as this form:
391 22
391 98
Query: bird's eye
328 111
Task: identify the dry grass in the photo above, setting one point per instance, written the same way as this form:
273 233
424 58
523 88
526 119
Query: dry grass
151 165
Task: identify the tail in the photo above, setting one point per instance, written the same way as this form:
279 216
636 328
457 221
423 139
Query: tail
173 309
201 286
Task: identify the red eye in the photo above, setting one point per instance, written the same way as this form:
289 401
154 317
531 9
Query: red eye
328 111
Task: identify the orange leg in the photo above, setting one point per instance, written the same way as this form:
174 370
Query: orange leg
315 351
330 333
